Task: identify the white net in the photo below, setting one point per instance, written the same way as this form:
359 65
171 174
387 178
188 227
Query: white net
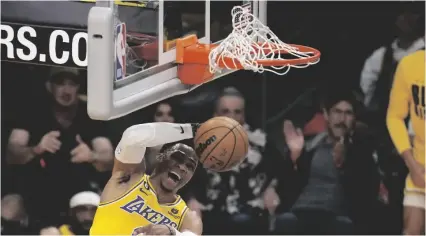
251 41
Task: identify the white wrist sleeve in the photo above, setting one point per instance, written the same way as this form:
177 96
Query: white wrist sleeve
137 138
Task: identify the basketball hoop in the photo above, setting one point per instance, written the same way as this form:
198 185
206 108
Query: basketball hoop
250 46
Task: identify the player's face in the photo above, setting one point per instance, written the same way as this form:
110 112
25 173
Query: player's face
65 92
164 113
340 119
232 107
177 171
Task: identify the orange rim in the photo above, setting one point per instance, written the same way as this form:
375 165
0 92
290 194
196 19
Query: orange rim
190 51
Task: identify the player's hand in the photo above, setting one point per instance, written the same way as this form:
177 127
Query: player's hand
49 143
417 174
82 153
195 127
153 230
271 200
339 152
294 139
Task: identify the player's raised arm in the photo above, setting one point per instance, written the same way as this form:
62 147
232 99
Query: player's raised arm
131 149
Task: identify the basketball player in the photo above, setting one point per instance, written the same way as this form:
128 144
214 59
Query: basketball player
408 97
133 202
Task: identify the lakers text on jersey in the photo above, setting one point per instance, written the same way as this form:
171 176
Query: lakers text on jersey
138 207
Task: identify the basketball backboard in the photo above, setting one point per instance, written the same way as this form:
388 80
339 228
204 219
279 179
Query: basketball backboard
128 71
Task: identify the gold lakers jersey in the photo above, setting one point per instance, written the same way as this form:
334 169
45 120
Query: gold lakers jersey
408 97
136 208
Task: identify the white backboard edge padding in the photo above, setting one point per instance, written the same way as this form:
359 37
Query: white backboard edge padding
100 69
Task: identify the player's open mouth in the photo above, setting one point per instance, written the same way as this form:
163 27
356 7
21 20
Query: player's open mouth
174 176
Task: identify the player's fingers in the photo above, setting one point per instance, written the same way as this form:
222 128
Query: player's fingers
145 230
157 231
299 132
138 231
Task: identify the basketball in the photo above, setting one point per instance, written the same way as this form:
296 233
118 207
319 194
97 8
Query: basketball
221 143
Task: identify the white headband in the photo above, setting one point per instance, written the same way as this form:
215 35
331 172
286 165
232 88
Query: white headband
85 198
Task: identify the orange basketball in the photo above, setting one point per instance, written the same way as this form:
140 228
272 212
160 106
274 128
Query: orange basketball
221 143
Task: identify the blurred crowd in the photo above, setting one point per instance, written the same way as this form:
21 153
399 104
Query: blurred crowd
329 168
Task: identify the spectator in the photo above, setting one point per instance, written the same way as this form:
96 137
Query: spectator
59 148
82 211
14 217
379 68
164 112
339 180
234 200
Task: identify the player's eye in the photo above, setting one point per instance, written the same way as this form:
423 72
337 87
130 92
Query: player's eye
190 166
